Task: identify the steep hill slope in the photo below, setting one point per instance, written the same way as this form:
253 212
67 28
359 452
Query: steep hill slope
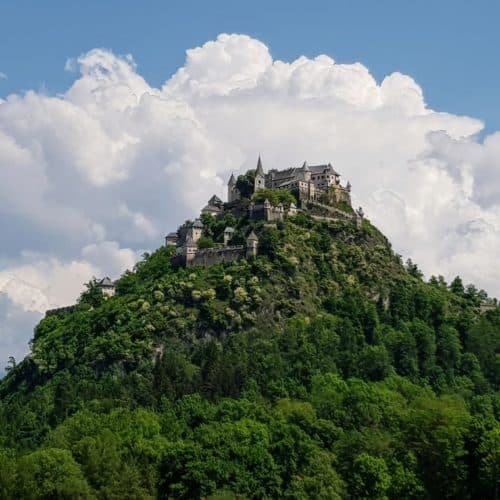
324 368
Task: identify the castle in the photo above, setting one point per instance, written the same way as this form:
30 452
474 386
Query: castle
316 188
308 183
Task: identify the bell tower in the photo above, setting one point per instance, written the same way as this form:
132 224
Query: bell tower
260 178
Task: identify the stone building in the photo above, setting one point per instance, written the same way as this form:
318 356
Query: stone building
266 211
107 287
228 235
233 193
252 245
308 183
171 239
214 207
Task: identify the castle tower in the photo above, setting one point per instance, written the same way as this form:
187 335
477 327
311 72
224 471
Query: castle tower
189 251
107 287
233 193
306 172
171 239
196 230
260 177
228 235
267 209
252 245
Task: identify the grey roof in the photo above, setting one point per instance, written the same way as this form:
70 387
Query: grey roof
215 201
106 282
232 180
211 208
320 169
198 224
229 230
172 235
252 237
259 170
276 175
286 183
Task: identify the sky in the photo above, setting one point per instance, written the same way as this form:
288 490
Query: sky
449 47
118 120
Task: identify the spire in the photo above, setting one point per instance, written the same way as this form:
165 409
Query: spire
260 170
305 167
232 180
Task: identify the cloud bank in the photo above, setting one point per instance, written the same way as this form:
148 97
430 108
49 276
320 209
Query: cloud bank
90 178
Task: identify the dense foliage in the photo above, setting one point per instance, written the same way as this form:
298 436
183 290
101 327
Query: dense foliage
325 368
275 197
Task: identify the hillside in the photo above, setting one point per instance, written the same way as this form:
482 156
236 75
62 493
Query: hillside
324 368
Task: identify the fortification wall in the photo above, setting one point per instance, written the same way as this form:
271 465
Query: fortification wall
61 310
210 256
270 214
319 209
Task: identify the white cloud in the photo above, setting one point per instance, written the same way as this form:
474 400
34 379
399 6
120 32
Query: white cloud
3 76
90 177
39 282
16 328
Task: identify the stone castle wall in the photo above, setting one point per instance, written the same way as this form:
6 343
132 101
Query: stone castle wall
319 209
210 256
61 310
268 213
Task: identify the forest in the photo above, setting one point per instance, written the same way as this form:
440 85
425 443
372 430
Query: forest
326 368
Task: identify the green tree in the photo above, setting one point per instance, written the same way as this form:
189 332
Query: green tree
205 242
8 473
457 286
489 465
370 478
274 196
373 363
93 295
51 473
246 183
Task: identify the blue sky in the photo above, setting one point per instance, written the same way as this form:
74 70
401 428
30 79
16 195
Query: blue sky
451 48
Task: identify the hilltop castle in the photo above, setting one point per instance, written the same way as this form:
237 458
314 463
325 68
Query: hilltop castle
307 183
316 188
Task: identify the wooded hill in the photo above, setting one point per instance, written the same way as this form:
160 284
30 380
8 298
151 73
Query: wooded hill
325 368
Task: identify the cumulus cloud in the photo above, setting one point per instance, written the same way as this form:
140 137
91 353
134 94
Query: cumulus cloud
91 177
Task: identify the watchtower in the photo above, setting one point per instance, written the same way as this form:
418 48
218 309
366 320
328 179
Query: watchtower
252 245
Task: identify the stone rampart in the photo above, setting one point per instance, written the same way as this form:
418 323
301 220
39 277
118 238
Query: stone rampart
209 256
61 310
260 211
319 209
